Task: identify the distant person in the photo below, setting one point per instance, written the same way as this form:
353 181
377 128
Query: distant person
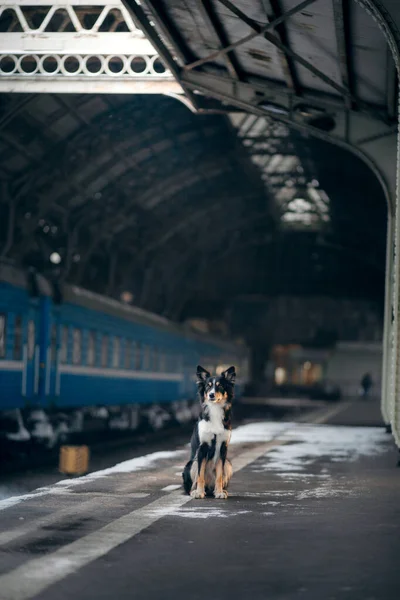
366 384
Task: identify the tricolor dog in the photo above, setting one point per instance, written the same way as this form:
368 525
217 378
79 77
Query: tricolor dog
208 471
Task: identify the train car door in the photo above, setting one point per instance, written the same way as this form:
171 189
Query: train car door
40 381
49 374
31 356
52 384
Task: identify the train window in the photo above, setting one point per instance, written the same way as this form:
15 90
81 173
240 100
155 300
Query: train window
91 349
31 339
17 351
173 362
128 354
2 335
154 360
138 357
64 345
53 343
116 352
104 351
146 358
76 346
163 362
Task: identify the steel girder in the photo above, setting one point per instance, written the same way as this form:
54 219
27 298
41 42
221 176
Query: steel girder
63 46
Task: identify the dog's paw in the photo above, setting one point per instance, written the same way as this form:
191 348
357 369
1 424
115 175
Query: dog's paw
197 494
221 495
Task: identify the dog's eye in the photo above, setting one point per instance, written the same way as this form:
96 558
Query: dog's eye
209 383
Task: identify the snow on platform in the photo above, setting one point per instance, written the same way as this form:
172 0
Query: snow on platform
312 513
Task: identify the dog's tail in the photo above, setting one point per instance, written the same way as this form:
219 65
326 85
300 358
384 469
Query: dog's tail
187 479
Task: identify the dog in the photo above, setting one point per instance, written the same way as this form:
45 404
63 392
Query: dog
209 471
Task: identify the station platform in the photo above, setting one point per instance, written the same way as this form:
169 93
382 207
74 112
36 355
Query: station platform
313 513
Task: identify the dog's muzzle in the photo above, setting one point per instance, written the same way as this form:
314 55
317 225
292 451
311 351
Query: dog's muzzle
215 397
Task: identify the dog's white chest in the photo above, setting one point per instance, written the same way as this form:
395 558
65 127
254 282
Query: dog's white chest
214 427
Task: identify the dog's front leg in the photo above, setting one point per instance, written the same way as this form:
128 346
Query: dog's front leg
219 491
199 491
222 473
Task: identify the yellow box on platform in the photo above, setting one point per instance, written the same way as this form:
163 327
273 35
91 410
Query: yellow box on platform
74 460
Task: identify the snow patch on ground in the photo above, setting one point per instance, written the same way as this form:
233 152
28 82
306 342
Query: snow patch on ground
319 493
316 447
306 444
171 488
326 491
302 476
199 512
13 500
258 432
149 461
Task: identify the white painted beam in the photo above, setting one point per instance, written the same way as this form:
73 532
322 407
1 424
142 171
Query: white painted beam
75 43
88 85
62 3
81 60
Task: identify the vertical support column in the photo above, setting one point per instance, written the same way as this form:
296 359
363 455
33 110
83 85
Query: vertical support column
384 15
394 392
395 362
387 322
44 337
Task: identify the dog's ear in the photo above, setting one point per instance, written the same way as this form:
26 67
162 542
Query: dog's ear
202 375
230 375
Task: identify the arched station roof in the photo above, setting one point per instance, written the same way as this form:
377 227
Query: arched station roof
141 195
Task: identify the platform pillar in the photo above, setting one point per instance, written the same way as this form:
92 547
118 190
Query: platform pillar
387 342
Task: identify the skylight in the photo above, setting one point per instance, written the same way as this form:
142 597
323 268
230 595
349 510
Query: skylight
300 200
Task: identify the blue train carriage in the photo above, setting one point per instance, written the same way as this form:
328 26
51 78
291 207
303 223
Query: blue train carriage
94 362
19 349
128 360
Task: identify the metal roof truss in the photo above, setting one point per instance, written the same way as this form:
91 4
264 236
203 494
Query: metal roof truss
64 46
